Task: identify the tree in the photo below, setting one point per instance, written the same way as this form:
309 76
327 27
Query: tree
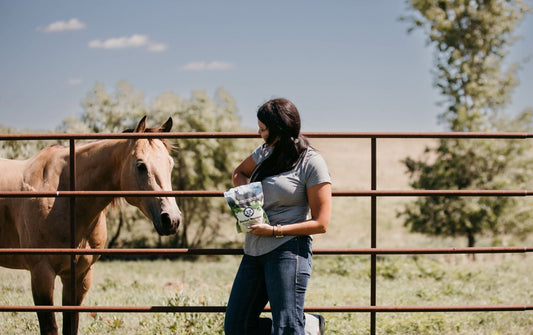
471 40
200 164
203 164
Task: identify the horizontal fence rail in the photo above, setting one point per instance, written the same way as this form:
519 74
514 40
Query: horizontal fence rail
397 193
232 251
388 193
373 193
222 309
234 135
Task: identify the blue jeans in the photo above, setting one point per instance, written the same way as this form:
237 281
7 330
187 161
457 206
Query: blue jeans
279 277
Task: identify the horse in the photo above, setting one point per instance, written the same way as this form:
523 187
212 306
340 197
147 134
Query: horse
44 222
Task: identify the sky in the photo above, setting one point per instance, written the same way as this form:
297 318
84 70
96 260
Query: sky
348 65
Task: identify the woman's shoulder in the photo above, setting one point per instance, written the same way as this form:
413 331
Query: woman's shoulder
314 168
312 153
261 153
313 158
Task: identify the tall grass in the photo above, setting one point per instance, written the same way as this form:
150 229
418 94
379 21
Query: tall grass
426 280
336 280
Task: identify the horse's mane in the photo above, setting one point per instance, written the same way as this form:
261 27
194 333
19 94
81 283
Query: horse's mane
153 130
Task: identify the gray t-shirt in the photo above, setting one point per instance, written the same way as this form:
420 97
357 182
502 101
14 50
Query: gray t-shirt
285 196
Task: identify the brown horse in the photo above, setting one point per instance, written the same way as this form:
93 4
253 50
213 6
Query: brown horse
41 222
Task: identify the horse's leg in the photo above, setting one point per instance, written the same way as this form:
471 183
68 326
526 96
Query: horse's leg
42 287
83 283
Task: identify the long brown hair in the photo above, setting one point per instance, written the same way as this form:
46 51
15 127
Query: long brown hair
282 119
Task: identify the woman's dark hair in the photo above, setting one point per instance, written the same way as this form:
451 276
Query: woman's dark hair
282 119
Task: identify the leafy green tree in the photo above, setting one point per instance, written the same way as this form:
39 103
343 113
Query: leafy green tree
203 164
200 164
471 40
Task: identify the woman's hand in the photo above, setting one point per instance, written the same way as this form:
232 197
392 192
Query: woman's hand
320 203
262 229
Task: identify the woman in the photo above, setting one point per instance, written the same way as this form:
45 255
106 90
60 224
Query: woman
276 265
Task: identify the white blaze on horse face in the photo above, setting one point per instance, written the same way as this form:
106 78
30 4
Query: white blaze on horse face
150 169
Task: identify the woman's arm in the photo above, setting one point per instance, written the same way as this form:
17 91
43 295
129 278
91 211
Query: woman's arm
319 197
243 171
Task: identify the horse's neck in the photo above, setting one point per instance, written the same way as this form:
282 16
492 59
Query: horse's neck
98 165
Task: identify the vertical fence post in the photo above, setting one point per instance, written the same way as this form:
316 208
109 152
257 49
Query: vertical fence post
373 242
72 160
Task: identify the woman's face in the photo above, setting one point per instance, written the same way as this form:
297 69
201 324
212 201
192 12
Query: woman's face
263 130
265 133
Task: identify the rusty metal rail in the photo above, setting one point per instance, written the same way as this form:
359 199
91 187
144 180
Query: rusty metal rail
222 309
67 194
222 135
366 193
232 251
373 193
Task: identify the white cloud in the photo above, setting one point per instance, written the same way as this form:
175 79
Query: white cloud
157 47
205 66
133 41
58 26
75 81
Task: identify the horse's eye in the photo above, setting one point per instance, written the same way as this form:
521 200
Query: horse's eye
141 167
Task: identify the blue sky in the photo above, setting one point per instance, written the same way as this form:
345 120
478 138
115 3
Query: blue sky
348 65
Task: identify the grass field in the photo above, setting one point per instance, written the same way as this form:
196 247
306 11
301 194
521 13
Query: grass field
431 280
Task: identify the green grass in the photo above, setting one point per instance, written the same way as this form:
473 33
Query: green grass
336 281
428 280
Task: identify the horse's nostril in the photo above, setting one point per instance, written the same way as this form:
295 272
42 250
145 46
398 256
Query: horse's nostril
165 219
169 224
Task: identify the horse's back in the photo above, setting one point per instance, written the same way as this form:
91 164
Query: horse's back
43 171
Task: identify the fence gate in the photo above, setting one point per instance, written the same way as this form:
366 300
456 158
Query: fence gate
372 251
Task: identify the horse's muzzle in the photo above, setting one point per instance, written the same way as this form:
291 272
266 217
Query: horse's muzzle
169 224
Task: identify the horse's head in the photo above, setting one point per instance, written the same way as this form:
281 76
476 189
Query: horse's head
148 167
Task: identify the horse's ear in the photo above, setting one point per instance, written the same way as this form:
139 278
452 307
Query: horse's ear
141 126
165 128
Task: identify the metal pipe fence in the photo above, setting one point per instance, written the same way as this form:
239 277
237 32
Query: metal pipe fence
373 251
